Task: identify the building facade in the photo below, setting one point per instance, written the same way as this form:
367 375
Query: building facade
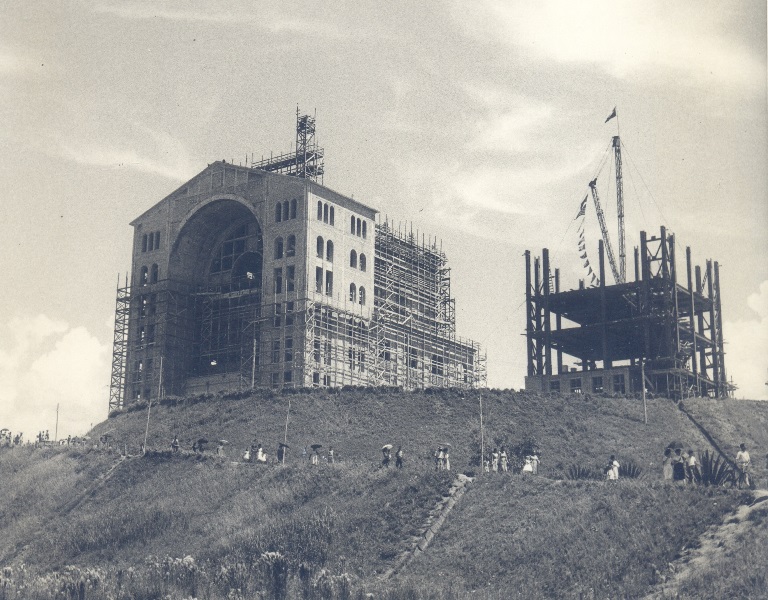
244 278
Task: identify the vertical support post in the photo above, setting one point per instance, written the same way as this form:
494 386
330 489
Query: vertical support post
692 317
558 325
537 294
56 430
716 374
673 272
645 308
253 365
603 308
664 253
547 323
482 438
529 314
723 389
642 387
637 264
700 319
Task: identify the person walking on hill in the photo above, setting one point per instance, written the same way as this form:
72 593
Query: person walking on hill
399 457
331 458
678 466
528 466
386 452
447 458
495 461
612 469
503 460
315 458
692 471
535 462
175 444
666 464
743 462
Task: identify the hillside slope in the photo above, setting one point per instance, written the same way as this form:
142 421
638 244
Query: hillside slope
338 527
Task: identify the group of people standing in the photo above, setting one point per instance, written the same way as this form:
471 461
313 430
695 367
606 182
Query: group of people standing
442 457
386 451
678 465
500 462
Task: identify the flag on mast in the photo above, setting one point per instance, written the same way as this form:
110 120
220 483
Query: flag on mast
613 114
582 208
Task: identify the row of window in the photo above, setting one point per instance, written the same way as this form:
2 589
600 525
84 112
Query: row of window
149 275
286 210
290 279
281 313
230 250
358 227
325 212
319 281
353 261
356 295
150 241
575 385
324 250
290 247
287 350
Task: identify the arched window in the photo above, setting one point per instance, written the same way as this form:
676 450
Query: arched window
144 276
359 228
155 273
285 210
352 293
325 213
290 250
331 219
362 296
278 213
365 229
352 225
362 262
320 246
329 251
319 210
278 248
293 208
353 259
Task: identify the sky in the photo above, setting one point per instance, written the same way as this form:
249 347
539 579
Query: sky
479 123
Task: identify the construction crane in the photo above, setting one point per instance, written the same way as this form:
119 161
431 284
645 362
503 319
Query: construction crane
619 269
620 207
604 229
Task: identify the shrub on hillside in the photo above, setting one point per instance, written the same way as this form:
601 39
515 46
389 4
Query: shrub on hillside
576 472
715 470
630 469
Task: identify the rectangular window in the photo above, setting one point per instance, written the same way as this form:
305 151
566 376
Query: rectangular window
157 240
288 313
288 376
319 280
274 379
316 353
329 283
327 380
327 352
554 386
618 384
315 378
597 385
288 349
576 385
151 242
279 280
275 351
278 318
290 278
144 243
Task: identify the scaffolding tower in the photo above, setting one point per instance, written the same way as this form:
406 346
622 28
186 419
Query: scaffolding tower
120 345
306 161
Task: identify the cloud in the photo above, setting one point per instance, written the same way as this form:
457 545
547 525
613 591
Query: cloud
511 123
207 13
621 38
44 363
167 157
746 348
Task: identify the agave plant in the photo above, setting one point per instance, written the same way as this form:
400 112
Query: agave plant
630 470
579 472
715 470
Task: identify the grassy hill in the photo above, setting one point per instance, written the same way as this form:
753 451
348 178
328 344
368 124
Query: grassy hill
85 520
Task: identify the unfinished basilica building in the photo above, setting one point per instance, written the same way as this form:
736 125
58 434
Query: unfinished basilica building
259 276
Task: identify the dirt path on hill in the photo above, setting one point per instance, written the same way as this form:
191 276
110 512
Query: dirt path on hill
712 542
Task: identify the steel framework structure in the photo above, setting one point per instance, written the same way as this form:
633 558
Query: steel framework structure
675 329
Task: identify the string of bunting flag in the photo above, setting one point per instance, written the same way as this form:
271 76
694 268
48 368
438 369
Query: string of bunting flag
581 215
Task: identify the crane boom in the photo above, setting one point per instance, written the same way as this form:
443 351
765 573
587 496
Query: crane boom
620 210
604 229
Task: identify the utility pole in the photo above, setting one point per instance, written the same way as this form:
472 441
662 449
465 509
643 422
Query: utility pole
56 431
482 437
642 384
285 436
